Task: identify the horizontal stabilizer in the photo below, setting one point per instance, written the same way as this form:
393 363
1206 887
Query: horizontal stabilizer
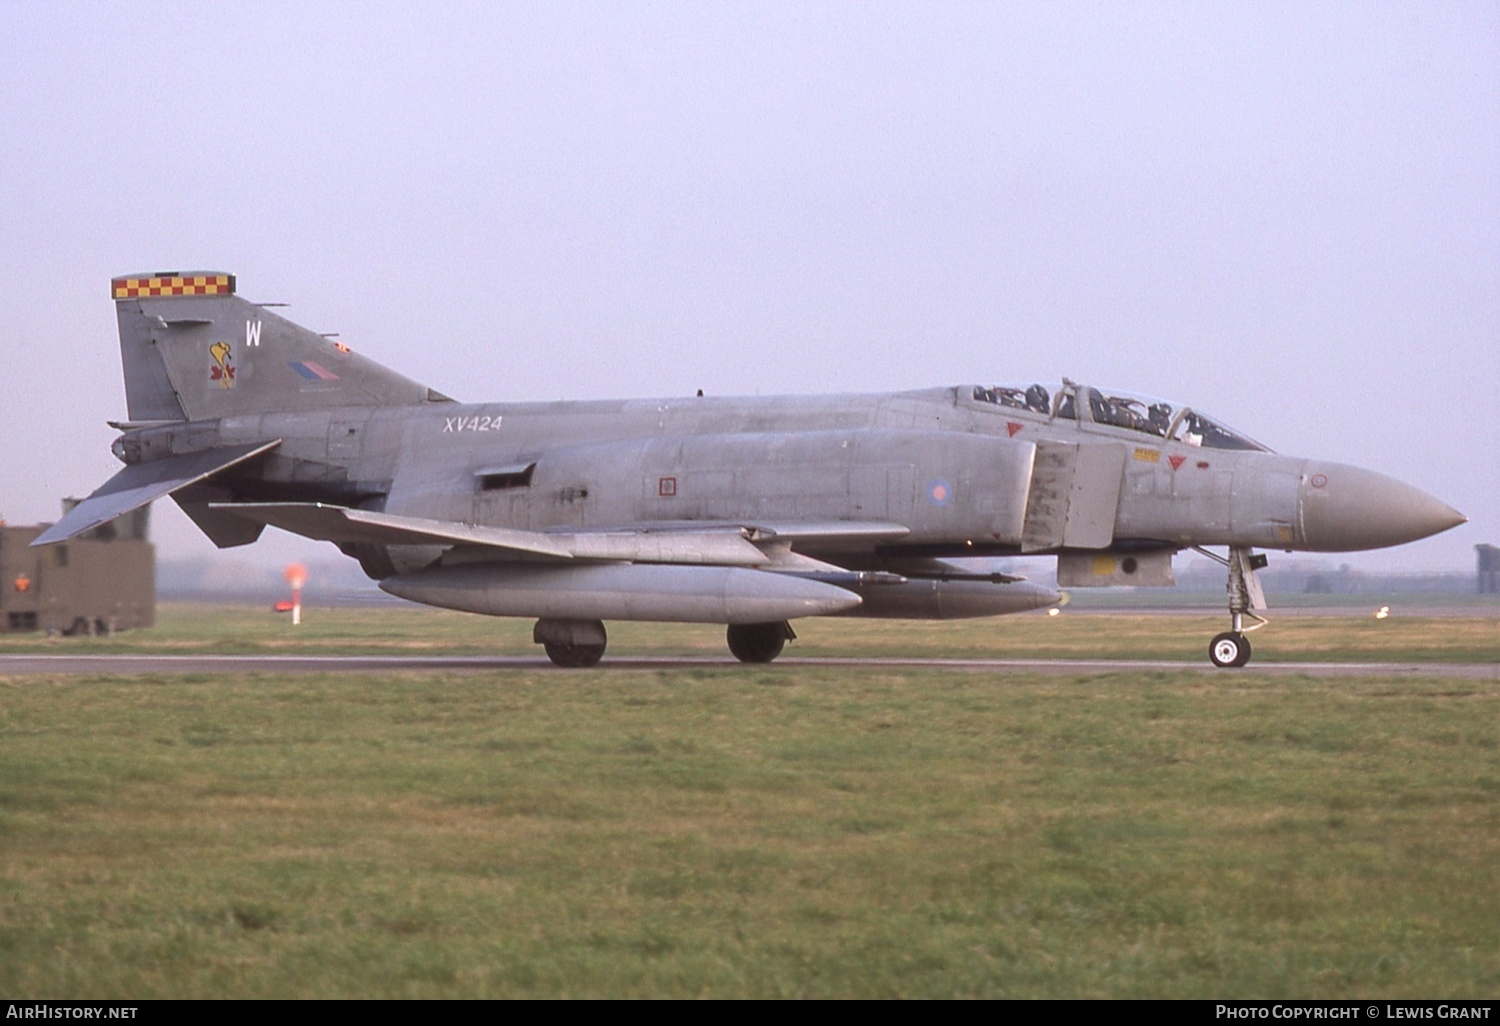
140 483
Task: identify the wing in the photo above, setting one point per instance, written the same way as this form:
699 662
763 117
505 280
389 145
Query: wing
762 545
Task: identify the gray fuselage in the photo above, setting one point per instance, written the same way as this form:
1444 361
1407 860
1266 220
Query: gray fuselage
967 477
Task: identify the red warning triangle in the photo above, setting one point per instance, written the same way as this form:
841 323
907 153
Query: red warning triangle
1012 427
1176 461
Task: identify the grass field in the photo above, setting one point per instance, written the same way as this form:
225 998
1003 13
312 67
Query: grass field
734 831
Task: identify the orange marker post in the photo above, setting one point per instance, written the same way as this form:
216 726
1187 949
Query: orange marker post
296 576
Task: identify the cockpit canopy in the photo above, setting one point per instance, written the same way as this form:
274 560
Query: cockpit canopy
1119 409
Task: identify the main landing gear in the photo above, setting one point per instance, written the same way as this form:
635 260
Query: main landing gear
574 644
1232 648
759 642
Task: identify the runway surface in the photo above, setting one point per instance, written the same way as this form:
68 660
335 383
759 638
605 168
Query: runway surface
133 665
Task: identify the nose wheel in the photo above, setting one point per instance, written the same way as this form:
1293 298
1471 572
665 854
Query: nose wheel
1229 649
1232 648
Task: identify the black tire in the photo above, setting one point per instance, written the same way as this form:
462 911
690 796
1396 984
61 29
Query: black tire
574 657
1244 651
757 642
1229 649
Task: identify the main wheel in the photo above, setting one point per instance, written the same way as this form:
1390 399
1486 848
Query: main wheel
573 656
1229 649
757 642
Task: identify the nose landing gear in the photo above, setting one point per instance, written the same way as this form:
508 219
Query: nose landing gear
1232 648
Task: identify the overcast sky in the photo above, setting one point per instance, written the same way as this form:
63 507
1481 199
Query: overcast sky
1287 215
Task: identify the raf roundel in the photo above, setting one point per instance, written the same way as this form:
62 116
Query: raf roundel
939 492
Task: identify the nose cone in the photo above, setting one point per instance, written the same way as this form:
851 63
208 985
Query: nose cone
1346 508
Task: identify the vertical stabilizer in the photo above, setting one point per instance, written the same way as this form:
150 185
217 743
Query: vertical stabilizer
193 350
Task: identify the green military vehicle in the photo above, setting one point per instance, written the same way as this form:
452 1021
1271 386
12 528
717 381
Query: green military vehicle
99 582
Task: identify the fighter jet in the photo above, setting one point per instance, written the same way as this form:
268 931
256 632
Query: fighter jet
746 512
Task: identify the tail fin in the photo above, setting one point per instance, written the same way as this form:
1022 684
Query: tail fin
193 350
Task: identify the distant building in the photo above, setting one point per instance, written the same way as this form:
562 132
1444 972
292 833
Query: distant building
1489 569
99 582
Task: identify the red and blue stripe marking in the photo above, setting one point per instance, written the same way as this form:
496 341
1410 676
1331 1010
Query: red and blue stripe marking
312 371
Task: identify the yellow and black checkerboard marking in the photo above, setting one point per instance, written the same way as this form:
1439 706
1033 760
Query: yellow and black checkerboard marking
173 285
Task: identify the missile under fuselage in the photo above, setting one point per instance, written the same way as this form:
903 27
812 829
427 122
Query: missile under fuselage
622 591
